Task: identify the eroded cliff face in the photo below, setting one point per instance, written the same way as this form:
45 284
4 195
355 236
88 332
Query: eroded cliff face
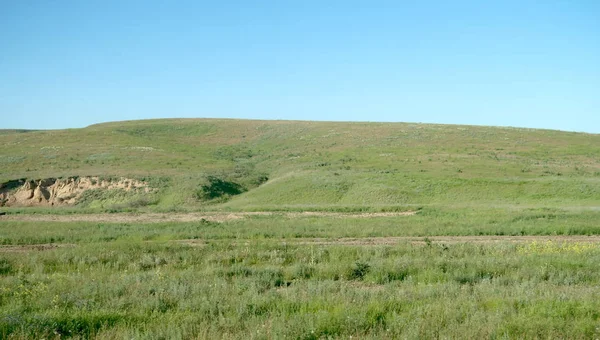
57 191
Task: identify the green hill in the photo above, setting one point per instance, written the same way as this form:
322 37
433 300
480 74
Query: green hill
408 231
281 165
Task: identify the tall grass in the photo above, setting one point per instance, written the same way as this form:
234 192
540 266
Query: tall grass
266 290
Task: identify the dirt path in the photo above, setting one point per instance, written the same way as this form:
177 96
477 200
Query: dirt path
366 241
189 217
22 248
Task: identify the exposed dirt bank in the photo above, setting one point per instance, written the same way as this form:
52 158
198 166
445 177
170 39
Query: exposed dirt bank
57 191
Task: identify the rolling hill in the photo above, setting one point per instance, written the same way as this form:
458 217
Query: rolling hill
215 164
205 228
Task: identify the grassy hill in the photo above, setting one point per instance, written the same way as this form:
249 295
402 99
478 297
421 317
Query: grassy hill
505 242
276 165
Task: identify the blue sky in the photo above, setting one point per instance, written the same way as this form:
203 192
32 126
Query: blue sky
512 63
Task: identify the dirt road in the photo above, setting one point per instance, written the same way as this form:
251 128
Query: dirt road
365 241
188 217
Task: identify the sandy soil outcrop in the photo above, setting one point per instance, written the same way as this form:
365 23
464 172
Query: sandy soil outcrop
57 191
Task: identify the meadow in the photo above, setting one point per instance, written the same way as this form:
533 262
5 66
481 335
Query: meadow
262 278
413 231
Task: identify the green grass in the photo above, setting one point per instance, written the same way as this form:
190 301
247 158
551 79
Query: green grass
116 284
254 278
249 278
429 222
339 165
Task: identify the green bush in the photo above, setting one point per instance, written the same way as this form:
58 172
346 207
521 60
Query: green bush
218 188
358 271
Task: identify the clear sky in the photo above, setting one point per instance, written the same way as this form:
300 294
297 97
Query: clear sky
511 62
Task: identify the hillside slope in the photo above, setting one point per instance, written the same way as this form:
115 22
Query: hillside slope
271 165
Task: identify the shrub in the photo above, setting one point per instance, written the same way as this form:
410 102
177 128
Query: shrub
358 271
218 188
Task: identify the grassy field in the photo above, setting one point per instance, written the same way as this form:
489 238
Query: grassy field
261 278
502 241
